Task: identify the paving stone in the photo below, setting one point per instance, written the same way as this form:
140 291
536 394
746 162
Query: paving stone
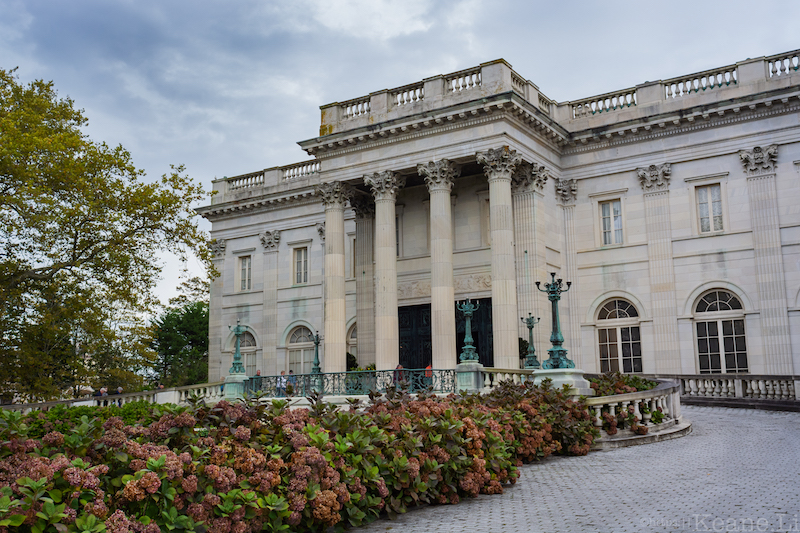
739 470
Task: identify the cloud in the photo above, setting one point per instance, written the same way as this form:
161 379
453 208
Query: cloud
372 19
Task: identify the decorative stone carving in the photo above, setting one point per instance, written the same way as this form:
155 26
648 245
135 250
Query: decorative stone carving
270 239
439 175
529 176
499 163
321 230
218 247
566 190
384 185
334 194
363 206
472 283
759 160
654 178
414 289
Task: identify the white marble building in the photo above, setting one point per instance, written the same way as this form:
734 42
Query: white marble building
672 206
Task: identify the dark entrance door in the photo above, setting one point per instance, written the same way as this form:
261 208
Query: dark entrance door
415 334
481 332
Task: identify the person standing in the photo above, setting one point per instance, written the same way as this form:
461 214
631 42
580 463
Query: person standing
282 384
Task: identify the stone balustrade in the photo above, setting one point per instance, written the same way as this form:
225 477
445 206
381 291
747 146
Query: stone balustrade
246 185
702 81
463 80
604 103
665 397
300 170
245 181
408 94
741 386
783 64
492 376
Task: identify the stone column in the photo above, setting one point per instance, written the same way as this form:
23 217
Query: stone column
499 165
334 195
566 194
527 184
384 186
269 329
365 278
759 165
655 184
439 176
217 332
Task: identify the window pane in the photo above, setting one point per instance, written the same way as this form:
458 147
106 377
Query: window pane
602 335
712 329
626 334
741 360
635 333
713 344
738 327
727 327
730 362
740 344
715 362
701 328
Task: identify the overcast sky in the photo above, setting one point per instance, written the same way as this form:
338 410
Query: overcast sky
230 87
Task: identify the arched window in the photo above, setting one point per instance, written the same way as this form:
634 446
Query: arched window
247 346
619 338
721 339
301 350
352 341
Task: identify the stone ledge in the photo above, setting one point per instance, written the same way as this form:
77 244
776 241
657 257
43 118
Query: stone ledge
744 403
673 431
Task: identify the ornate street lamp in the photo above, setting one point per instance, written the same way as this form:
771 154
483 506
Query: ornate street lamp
238 331
315 369
558 355
530 360
468 352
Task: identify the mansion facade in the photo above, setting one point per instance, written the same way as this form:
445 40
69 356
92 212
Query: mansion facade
673 207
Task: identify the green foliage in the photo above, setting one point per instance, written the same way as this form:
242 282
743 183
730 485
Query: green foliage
352 362
613 383
181 343
260 466
80 233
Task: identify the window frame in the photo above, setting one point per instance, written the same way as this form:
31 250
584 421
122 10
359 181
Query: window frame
698 182
606 197
297 250
618 325
305 349
719 317
245 279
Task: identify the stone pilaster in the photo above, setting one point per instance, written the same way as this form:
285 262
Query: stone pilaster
333 196
269 329
439 176
384 186
566 194
759 165
498 165
216 331
365 278
527 184
655 184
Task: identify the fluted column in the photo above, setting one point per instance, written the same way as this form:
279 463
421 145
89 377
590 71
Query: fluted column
566 194
439 176
365 278
216 330
529 243
269 329
384 186
499 165
333 196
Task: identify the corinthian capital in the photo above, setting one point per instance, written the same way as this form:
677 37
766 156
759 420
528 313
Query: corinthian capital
384 185
529 176
499 163
439 175
271 239
363 206
759 160
654 178
334 193
566 191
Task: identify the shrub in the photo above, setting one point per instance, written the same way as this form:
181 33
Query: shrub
613 383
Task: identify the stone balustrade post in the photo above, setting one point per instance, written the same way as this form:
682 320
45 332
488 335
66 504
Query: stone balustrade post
498 165
333 196
384 186
439 176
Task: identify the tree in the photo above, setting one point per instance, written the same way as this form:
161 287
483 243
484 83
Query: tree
181 344
80 236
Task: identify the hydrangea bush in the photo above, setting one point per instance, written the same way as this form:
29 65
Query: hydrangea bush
257 466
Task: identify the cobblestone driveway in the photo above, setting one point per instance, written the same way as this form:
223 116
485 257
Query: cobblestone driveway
739 470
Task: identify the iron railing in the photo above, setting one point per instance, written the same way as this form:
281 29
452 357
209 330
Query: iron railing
355 383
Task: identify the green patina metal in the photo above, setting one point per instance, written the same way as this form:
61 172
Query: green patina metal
315 369
468 353
558 355
530 360
237 367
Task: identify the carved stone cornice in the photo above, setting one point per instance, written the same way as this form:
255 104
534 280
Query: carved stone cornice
321 230
566 191
528 177
759 160
218 247
270 240
385 185
334 194
499 163
363 206
439 175
655 177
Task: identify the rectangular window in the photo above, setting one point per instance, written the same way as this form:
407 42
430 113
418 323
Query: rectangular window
611 222
300 266
709 208
620 345
732 350
245 273
301 361
250 363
